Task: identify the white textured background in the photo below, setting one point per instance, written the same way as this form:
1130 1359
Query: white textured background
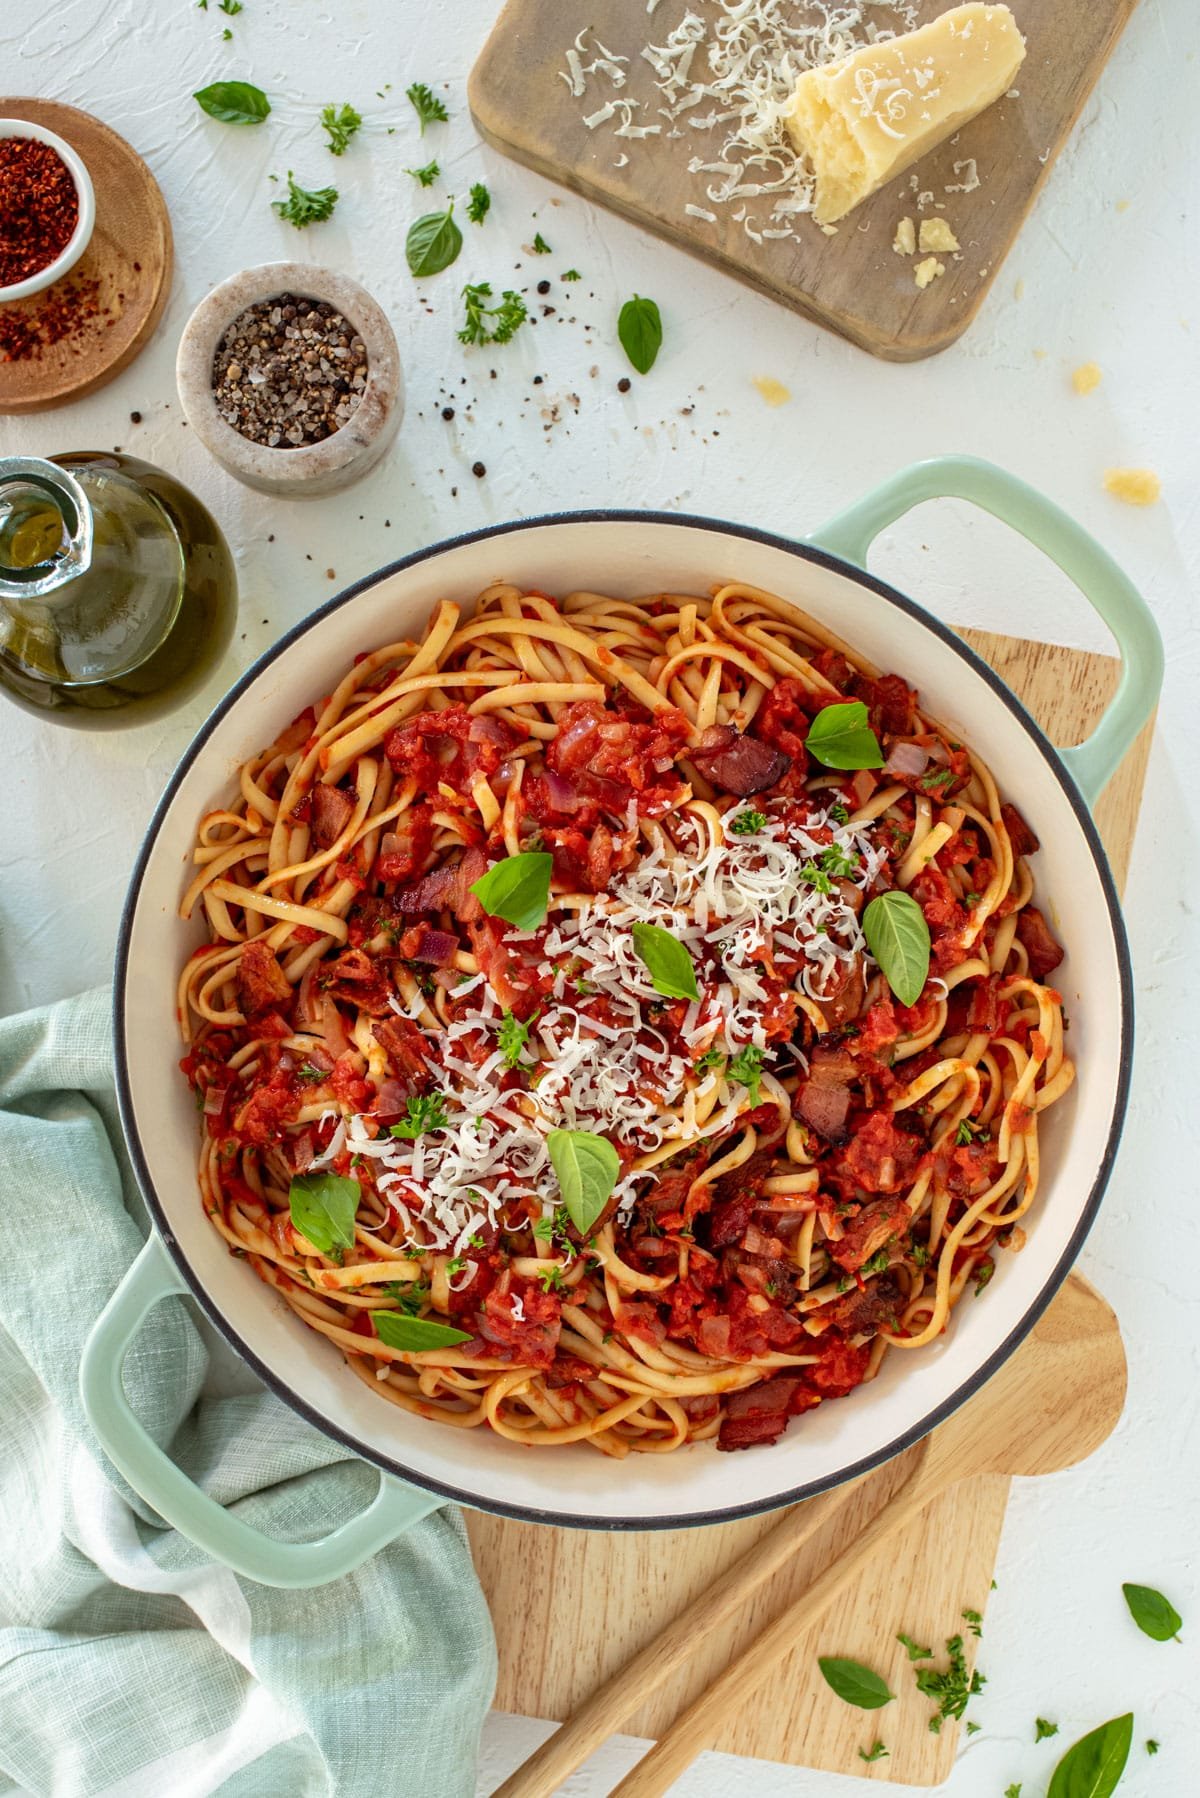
1118 287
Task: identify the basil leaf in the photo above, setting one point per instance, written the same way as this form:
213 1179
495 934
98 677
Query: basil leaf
854 1683
517 889
672 970
1154 1615
433 242
234 102
415 1333
840 737
1093 1767
898 937
323 1207
587 1167
639 326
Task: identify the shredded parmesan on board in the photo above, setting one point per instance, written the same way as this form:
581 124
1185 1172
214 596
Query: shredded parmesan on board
730 67
736 905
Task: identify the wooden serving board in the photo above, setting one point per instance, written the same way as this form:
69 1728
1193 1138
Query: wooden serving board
852 282
570 1606
129 258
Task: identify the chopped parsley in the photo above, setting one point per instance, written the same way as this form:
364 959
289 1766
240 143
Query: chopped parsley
953 1689
940 778
540 246
711 1058
814 876
1151 1745
983 1274
746 823
837 862
920 1254
512 1036
425 103
973 1729
975 1620
475 1241
427 1113
967 1132
878 1263
746 1069
339 124
231 7
838 813
551 1278
1042 1729
305 206
409 1298
455 1266
1013 1791
544 1229
570 274
479 203
915 1651
878 1753
426 176
491 324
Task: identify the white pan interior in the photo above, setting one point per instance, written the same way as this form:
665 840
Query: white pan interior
625 556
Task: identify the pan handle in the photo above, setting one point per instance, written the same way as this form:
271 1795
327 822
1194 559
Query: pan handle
1093 762
178 1499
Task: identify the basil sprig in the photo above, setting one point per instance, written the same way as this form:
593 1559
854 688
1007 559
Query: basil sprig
898 937
841 737
1093 1767
639 326
856 1684
517 889
414 1334
1154 1615
233 102
433 242
671 969
323 1208
587 1167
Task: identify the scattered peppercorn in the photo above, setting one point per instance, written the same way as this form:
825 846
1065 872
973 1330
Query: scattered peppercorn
289 371
135 418
478 470
624 384
39 207
447 412
543 287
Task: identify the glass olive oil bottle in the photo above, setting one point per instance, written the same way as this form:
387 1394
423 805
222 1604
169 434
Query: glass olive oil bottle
117 589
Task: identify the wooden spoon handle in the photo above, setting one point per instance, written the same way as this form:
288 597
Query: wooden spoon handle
696 1728
543 1773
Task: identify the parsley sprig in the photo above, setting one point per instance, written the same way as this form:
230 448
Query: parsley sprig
512 1035
425 103
305 206
479 204
340 123
426 176
746 1069
951 1689
424 1113
746 823
491 324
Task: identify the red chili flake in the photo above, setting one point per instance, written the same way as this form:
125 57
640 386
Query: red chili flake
39 207
28 327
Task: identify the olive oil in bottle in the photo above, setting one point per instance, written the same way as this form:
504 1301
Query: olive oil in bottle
117 589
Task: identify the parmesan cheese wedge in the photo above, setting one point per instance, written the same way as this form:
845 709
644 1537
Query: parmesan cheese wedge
862 119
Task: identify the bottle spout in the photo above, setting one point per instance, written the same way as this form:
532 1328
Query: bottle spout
45 529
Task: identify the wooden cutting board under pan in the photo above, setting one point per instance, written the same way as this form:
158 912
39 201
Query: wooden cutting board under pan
555 1650
853 282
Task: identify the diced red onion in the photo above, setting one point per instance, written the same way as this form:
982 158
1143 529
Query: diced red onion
907 758
214 1101
436 946
484 729
564 796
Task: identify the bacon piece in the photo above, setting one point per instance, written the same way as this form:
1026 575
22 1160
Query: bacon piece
600 859
332 810
357 981
404 1046
845 999
261 982
1043 952
464 904
421 943
823 1108
889 701
758 1414
874 1226
737 764
1023 840
880 1157
878 1030
430 894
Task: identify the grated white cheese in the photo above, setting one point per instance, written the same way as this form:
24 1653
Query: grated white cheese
742 906
740 58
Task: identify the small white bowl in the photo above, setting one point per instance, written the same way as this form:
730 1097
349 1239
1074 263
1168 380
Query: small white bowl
84 224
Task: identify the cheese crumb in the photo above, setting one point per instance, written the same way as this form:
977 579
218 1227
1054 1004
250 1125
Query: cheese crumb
928 271
1087 377
1136 486
937 235
905 240
774 392
1122 206
1019 289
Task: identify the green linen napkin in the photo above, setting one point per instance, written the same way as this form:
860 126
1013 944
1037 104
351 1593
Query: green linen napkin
129 1662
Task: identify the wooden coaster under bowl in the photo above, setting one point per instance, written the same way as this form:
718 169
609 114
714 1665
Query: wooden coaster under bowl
125 270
